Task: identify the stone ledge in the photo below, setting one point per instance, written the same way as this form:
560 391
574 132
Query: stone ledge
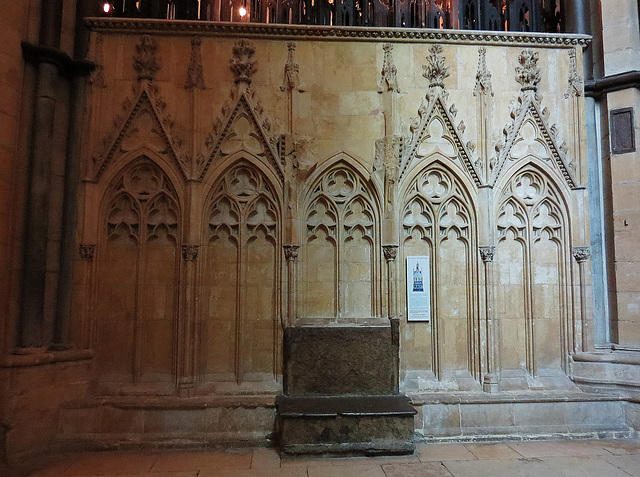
419 399
173 402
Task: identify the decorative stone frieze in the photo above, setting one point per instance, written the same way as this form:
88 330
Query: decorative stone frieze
404 35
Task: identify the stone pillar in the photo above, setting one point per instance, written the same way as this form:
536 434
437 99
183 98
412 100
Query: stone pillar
291 254
491 382
581 254
187 327
36 233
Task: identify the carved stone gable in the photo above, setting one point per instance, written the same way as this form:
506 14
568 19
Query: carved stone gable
434 132
242 129
529 134
143 123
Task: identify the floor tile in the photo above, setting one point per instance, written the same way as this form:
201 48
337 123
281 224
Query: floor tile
492 451
265 459
621 446
270 472
347 470
628 463
423 469
101 463
536 467
534 449
202 460
442 452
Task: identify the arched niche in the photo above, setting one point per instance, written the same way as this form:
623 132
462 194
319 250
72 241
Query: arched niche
438 219
240 273
137 277
340 246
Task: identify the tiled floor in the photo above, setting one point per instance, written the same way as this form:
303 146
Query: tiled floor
588 458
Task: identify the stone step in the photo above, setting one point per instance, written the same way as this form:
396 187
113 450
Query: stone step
346 425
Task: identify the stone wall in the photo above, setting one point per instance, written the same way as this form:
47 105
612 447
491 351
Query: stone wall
240 181
621 43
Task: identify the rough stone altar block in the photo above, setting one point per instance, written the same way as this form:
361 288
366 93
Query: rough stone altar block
340 398
338 360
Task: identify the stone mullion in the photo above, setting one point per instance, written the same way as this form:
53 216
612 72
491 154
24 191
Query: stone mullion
291 254
87 254
390 254
138 341
581 255
185 322
239 322
435 321
529 330
491 382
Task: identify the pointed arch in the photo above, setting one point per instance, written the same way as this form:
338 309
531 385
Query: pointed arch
439 219
532 211
239 332
137 274
341 275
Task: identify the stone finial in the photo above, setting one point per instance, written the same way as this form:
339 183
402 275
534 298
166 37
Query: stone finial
436 71
145 61
487 253
195 77
291 252
190 252
388 80
528 73
483 76
574 88
291 69
390 252
243 65
581 254
87 251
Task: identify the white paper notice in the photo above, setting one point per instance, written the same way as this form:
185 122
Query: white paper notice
418 289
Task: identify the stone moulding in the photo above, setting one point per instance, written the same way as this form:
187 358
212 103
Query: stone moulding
403 35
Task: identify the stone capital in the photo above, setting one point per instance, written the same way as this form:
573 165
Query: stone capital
487 253
291 252
87 251
190 252
581 254
390 252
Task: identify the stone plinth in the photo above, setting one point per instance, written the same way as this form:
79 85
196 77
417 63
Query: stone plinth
339 384
368 425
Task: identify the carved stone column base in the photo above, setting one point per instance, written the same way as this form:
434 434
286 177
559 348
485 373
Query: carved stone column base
186 388
491 383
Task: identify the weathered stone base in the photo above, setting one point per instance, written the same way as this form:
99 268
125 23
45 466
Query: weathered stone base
364 425
137 422
604 370
530 415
